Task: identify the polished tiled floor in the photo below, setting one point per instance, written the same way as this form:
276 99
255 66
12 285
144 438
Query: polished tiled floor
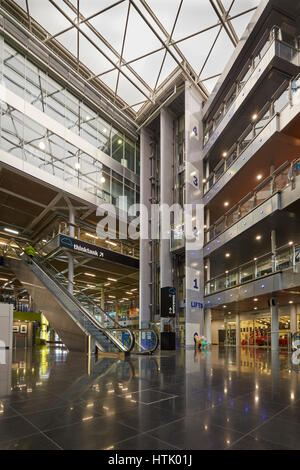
221 399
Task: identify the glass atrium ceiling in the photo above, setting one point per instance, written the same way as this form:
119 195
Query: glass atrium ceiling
133 46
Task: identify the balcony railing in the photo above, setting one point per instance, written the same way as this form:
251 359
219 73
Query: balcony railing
270 263
266 189
285 50
284 96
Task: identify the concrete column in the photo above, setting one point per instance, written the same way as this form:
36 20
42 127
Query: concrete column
70 272
293 319
102 298
238 330
274 324
71 221
208 324
145 249
166 192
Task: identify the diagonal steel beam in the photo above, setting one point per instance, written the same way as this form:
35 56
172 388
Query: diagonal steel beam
98 48
189 74
111 48
225 26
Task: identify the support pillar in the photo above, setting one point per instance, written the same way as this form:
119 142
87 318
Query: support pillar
273 249
166 193
145 248
293 319
237 330
102 298
70 273
274 324
194 315
208 324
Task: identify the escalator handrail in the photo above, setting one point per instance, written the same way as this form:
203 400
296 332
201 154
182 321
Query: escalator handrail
148 351
131 330
106 331
86 313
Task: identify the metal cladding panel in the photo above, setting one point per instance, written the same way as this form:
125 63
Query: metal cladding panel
266 285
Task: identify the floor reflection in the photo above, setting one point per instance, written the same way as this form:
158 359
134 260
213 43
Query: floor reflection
221 398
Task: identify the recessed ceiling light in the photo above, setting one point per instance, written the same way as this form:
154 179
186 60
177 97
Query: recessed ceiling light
291 302
254 117
255 300
291 243
91 235
10 230
255 308
111 243
224 154
226 204
258 237
259 177
204 181
227 255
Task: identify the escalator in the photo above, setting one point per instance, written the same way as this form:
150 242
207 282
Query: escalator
80 323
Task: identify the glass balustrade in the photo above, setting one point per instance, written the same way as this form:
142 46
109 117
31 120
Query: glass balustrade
285 257
285 48
264 191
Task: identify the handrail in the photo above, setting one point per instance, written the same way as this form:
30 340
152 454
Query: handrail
268 257
252 193
236 148
86 312
154 348
106 331
268 36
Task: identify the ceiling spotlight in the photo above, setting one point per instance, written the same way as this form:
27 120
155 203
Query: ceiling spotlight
227 255
259 237
224 154
291 243
291 302
120 142
254 117
226 204
255 308
204 181
255 300
259 177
